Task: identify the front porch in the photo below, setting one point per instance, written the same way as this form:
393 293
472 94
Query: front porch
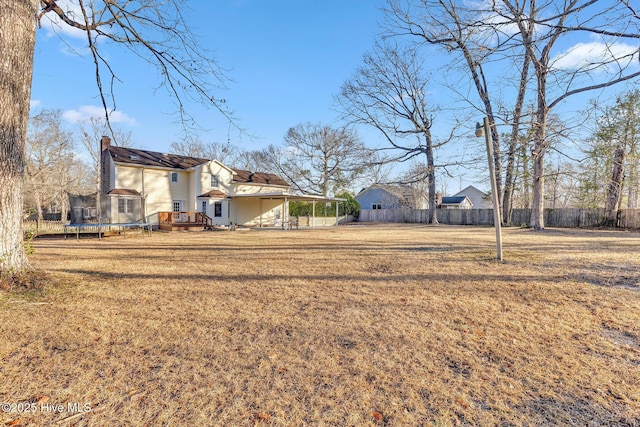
183 221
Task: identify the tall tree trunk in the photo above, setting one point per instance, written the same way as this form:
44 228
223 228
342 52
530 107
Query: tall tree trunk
537 204
510 175
17 42
39 216
433 212
431 180
64 203
477 74
614 189
539 150
509 182
540 142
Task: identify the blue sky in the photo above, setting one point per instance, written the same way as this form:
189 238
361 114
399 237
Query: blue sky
287 60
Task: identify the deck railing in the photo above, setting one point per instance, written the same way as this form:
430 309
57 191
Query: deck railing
184 218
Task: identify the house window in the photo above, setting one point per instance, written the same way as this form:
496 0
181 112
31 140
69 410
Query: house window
215 180
376 206
126 205
217 209
88 213
177 205
204 207
174 176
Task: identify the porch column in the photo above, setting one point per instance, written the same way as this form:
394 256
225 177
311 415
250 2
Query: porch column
261 210
236 222
337 209
313 214
284 213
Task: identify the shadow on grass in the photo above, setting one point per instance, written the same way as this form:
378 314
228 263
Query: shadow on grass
574 410
427 278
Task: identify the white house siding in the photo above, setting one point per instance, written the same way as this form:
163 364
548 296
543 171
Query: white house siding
377 196
246 211
225 217
255 188
479 199
128 178
202 184
114 214
203 178
158 190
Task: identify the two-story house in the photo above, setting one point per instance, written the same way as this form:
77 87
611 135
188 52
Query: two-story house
146 186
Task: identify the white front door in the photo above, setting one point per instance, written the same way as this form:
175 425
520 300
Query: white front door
177 207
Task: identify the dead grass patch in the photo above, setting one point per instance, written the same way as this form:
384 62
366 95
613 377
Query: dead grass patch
381 325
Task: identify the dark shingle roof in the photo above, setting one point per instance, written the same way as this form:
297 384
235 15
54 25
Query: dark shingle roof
243 176
453 200
152 158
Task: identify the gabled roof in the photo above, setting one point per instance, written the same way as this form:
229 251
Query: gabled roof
469 189
248 177
124 192
397 190
453 200
153 158
213 194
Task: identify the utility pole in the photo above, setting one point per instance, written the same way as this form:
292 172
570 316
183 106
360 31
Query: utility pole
484 129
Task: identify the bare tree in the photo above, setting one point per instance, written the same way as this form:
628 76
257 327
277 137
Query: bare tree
225 153
541 27
191 146
453 26
49 153
616 140
153 30
320 159
52 167
529 31
389 93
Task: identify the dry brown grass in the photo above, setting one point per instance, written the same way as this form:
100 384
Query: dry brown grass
399 325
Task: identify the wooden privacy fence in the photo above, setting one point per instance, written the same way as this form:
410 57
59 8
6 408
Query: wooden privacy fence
565 217
320 221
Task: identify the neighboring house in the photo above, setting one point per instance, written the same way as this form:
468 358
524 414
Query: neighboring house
456 202
380 196
147 186
479 199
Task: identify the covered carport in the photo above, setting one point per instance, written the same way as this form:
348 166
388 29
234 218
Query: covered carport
267 199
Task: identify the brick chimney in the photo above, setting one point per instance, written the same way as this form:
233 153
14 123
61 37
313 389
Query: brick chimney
105 142
103 178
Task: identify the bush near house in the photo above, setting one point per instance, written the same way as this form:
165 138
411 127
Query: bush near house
349 207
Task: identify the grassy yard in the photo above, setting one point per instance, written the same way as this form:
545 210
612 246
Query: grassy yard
399 325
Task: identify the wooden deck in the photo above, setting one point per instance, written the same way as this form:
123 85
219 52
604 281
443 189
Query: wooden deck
183 221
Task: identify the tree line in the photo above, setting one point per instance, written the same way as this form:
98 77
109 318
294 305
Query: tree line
516 62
